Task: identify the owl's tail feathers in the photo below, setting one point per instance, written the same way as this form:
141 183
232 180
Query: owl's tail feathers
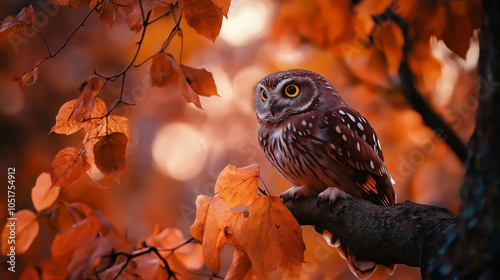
361 269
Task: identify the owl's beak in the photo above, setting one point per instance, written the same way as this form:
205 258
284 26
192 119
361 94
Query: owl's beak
273 107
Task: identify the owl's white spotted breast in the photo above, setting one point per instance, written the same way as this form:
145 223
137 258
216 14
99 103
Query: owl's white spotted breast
294 150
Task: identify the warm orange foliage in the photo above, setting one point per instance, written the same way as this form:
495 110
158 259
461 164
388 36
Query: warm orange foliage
266 234
190 81
153 84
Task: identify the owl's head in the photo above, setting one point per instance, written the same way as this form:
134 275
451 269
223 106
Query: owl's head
281 95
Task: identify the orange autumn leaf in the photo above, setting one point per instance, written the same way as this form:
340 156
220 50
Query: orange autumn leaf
200 80
106 10
92 251
223 5
20 22
68 165
389 40
451 21
23 228
30 75
197 230
166 71
266 233
214 230
84 106
163 70
64 215
241 266
109 154
66 125
189 255
43 194
238 186
94 224
205 16
270 236
107 125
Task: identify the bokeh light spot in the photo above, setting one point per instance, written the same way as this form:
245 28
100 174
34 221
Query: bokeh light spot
246 22
179 151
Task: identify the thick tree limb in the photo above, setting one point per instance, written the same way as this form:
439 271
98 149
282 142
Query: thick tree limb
405 233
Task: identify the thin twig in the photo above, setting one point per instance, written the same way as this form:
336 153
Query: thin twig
52 55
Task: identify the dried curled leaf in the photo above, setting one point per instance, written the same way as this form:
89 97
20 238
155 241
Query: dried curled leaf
84 106
200 80
166 71
30 75
109 154
205 16
20 22
68 165
23 229
43 194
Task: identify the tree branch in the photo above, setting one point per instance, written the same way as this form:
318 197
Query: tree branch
405 233
432 119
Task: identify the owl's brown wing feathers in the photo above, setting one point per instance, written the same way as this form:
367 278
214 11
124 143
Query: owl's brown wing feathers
354 142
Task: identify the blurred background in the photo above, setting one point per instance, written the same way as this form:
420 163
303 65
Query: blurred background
176 150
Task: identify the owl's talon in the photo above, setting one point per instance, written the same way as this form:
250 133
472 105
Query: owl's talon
317 202
296 192
332 193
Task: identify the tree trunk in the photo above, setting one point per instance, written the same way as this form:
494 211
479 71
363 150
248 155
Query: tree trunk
472 251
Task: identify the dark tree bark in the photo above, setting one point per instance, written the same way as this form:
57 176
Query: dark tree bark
405 233
473 251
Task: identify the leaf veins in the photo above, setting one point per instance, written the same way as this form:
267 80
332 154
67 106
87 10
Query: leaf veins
68 166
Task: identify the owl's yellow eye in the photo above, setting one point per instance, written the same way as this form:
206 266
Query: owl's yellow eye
292 90
263 95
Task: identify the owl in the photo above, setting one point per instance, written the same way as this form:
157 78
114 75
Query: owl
321 145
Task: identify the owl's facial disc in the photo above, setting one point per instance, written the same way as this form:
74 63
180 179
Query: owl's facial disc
277 98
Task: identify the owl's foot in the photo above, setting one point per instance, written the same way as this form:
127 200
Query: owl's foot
331 193
296 192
